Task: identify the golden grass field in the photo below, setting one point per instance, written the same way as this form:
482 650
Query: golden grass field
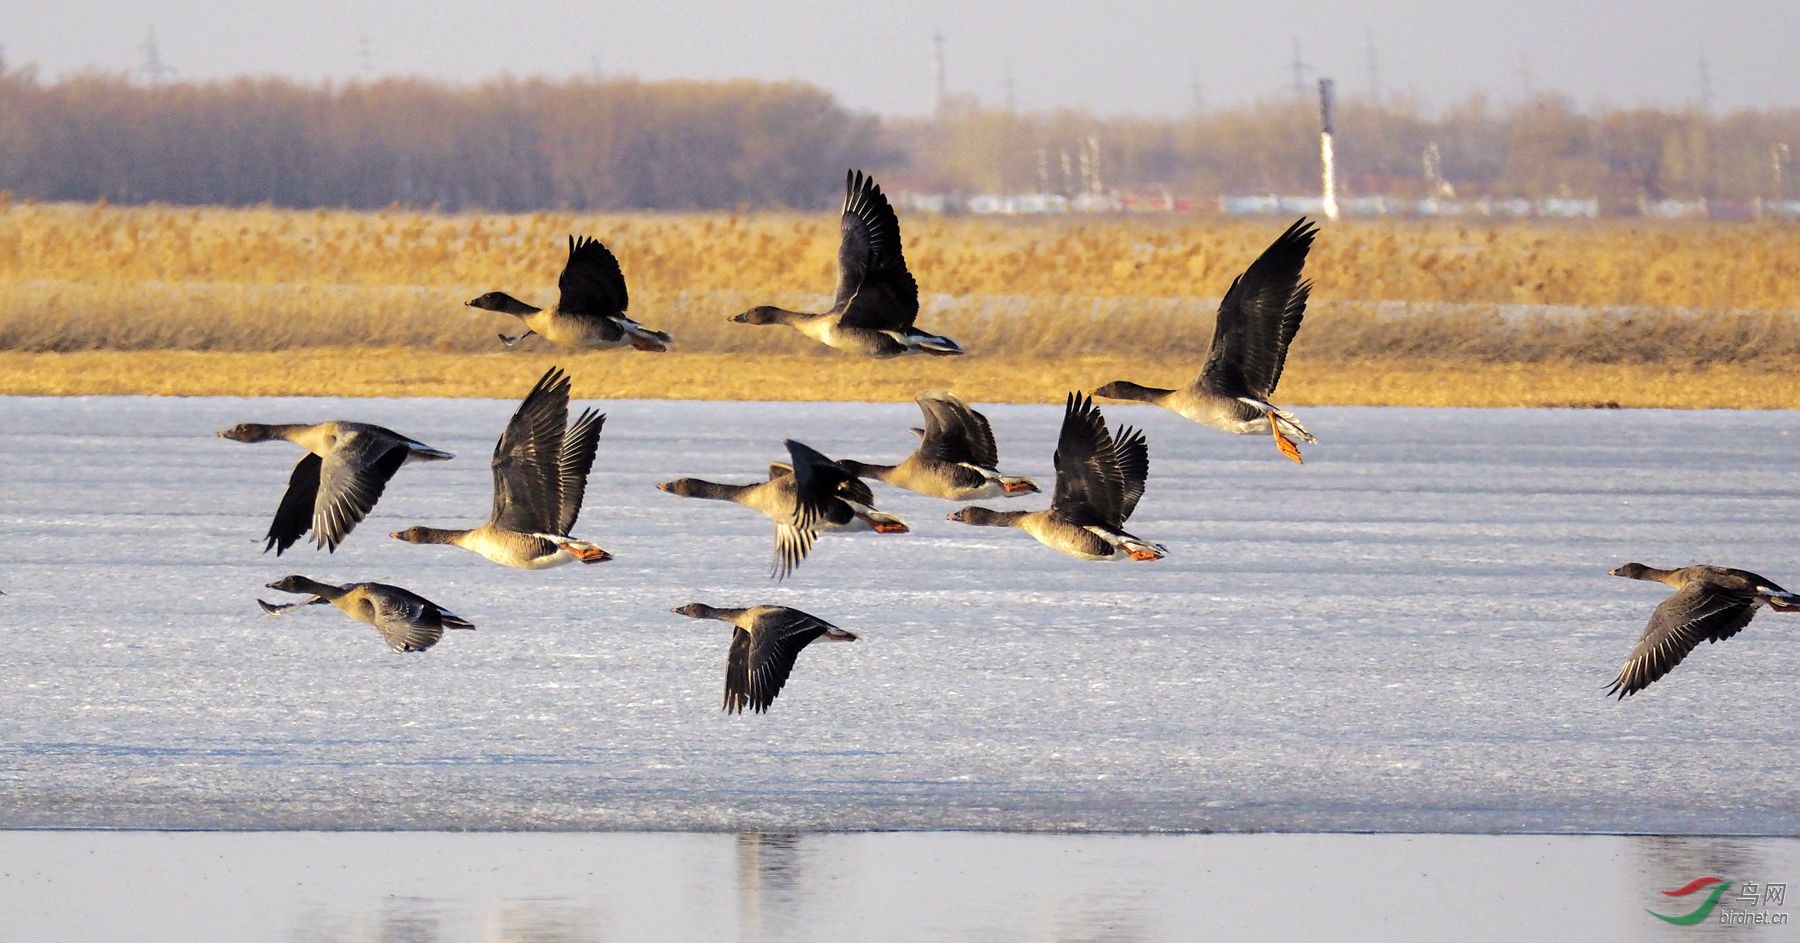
185 301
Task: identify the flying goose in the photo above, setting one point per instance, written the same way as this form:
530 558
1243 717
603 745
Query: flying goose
877 299
335 484
409 622
764 644
1257 321
1711 603
540 476
1099 479
590 309
811 495
955 459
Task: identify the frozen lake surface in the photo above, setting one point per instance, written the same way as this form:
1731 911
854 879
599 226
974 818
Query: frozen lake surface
1410 633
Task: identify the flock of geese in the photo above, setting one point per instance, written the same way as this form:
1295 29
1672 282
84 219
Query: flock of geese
542 460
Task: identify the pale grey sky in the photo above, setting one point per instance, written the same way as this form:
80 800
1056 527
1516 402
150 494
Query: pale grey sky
1140 56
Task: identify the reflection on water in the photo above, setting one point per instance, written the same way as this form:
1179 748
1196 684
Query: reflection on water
768 882
1664 863
919 886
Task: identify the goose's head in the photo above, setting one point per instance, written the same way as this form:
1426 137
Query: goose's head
761 314
502 302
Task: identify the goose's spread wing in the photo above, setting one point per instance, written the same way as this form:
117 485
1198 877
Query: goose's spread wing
1090 487
737 672
351 480
776 642
1258 319
1133 452
955 433
1699 612
792 544
573 463
874 288
295 513
527 490
818 481
591 282
404 618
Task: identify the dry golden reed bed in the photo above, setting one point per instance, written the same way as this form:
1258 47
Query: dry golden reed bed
408 372
102 299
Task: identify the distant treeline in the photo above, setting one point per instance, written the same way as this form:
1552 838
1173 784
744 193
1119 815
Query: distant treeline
624 144
504 145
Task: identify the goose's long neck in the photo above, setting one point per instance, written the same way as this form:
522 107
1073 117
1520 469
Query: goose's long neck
1127 390
269 432
715 491
433 535
985 517
702 611
866 470
323 590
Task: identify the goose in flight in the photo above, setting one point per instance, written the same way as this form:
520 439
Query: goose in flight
956 458
589 310
409 622
1711 604
337 482
877 299
1099 479
1257 321
540 476
813 494
764 644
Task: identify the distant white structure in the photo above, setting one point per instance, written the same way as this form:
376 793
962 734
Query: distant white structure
1327 160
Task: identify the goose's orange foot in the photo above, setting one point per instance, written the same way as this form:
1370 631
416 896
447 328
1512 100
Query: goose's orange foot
1016 487
891 527
588 553
1285 444
1145 555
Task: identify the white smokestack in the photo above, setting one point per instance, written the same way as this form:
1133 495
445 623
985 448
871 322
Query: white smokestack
1327 161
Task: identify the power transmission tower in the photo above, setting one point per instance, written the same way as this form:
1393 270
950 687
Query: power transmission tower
154 68
1374 67
1525 77
1198 92
1300 68
366 55
943 85
1706 86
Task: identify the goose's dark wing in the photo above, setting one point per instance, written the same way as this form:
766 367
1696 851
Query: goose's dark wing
818 481
778 637
527 490
737 673
1258 319
591 282
1090 488
573 463
408 621
351 480
874 288
1133 453
295 513
956 433
1699 612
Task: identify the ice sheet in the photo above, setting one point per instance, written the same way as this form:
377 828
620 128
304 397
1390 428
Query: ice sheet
1409 633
